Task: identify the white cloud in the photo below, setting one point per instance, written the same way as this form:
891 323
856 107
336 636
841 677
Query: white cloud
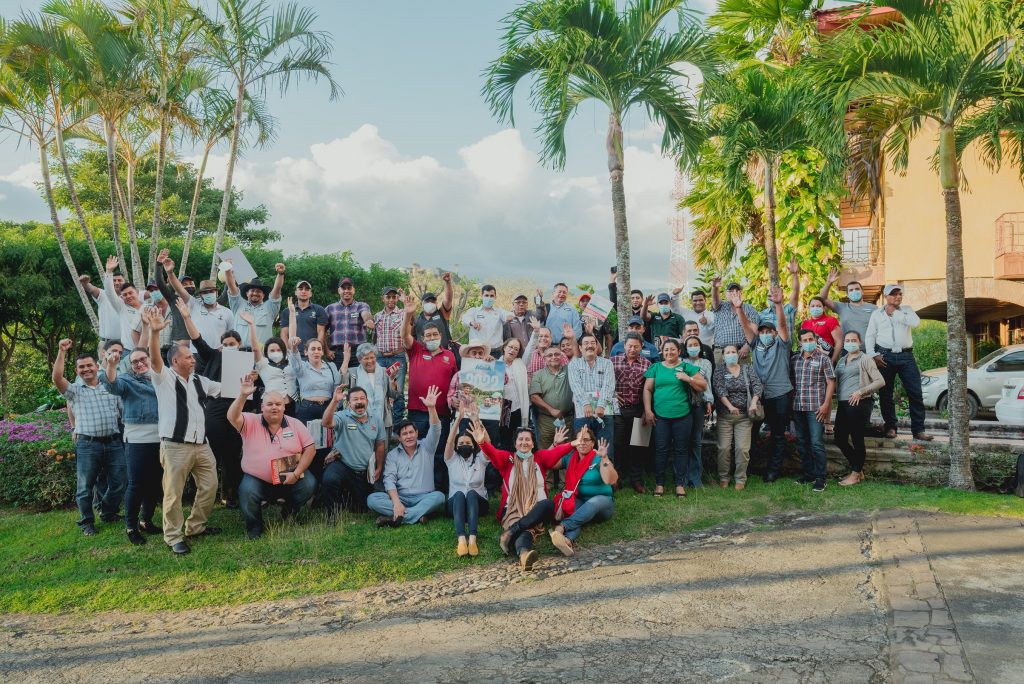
498 212
25 176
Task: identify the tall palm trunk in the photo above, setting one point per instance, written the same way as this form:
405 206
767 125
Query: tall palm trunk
960 476
225 204
115 227
62 239
62 155
770 247
161 160
616 170
128 203
194 209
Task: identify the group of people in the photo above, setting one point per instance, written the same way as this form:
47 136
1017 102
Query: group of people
406 438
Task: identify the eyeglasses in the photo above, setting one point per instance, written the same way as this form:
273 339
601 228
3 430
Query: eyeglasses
140 362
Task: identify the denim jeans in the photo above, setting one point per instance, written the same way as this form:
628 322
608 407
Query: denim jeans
398 408
521 538
90 458
849 431
342 487
810 435
595 509
630 462
671 438
252 492
421 419
416 505
693 467
606 431
776 414
904 365
467 508
144 489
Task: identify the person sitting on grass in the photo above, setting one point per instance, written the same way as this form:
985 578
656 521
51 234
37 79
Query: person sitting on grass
467 495
409 496
525 506
587 496
266 437
356 463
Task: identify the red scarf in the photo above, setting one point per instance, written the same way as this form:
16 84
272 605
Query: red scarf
565 501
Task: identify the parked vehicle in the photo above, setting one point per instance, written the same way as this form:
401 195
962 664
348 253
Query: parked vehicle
1010 409
985 379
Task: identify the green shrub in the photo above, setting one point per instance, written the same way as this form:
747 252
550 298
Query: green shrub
37 461
930 345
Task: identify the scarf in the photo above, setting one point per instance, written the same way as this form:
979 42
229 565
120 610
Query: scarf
565 501
518 383
522 495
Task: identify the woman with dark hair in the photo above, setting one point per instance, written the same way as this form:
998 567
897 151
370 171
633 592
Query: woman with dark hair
858 379
587 495
693 468
525 506
272 364
467 496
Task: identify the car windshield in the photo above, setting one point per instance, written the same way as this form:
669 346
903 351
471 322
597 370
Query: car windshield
988 357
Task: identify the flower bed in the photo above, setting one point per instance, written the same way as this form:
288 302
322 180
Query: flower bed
37 461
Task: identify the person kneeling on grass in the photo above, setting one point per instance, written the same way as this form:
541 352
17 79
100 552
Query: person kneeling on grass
587 497
409 495
525 506
265 438
467 495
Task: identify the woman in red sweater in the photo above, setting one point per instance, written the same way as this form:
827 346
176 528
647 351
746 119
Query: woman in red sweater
525 506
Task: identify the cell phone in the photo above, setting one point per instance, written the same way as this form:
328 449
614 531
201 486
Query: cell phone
615 269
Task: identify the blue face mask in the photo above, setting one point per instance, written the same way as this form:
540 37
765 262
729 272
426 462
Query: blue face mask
855 295
524 455
731 359
693 352
664 308
155 297
816 311
432 345
851 347
808 347
488 302
209 299
766 339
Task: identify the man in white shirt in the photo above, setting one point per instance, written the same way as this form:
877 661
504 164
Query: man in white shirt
110 324
891 344
259 301
181 397
126 302
698 312
486 323
210 318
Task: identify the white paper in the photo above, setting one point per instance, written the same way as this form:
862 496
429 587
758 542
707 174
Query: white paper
323 438
641 434
244 272
235 365
598 308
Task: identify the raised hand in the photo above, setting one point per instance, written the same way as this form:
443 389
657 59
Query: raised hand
293 343
406 299
648 300
279 268
561 435
535 324
793 266
84 279
833 275
339 394
567 330
446 277
248 386
433 392
156 321
775 294
111 264
247 317
602 447
479 431
183 308
716 281
64 345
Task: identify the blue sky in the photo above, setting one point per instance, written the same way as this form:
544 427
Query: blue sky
410 166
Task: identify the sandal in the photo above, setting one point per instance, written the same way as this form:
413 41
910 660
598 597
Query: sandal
680 492
659 491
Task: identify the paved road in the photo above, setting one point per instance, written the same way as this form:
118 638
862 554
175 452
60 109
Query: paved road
787 599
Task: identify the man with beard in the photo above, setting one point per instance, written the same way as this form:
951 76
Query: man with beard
257 300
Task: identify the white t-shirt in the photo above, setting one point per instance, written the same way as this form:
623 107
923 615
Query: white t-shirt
707 330
110 323
212 323
492 324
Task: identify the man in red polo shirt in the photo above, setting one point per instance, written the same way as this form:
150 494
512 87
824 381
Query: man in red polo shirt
265 437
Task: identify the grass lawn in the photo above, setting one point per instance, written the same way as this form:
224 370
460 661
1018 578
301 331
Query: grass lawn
48 566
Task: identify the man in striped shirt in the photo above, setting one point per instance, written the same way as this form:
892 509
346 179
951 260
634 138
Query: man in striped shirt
387 331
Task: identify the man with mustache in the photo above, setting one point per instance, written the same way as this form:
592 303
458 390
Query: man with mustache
356 463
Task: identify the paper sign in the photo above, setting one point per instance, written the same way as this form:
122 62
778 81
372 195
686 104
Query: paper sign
323 438
598 307
244 272
234 366
484 383
641 436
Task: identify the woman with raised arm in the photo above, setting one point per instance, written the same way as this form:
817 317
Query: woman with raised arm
467 496
272 365
587 496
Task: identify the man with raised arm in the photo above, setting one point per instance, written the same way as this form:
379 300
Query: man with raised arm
257 300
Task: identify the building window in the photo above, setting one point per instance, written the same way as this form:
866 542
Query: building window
856 245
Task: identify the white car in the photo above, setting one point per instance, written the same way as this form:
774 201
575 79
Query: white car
1010 409
985 379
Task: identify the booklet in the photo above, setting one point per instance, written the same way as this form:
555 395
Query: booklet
280 467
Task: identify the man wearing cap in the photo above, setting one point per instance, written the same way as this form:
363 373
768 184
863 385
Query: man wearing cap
257 300
854 314
697 312
559 312
728 329
890 342
387 334
486 322
310 319
437 313
347 322
665 323
521 324
636 301
210 318
647 350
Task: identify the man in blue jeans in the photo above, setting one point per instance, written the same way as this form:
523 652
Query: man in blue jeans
98 445
815 382
387 334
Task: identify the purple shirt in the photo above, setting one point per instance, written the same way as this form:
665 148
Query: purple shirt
345 323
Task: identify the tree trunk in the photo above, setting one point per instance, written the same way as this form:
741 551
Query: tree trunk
128 202
225 205
193 210
115 228
616 169
770 248
161 160
62 155
960 476
63 242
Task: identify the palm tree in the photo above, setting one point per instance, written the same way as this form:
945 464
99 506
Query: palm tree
579 50
954 72
254 46
782 28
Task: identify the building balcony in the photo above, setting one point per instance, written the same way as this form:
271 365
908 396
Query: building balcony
1009 257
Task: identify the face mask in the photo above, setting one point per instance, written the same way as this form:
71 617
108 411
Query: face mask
429 308
191 291
209 299
816 311
855 295
230 347
664 308
275 357
464 450
524 454
808 347
851 347
488 302
731 359
359 411
766 339
432 345
155 297
693 352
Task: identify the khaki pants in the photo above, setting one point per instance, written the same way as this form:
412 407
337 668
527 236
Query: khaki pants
733 433
179 460
546 429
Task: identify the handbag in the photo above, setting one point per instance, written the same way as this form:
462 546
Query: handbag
757 414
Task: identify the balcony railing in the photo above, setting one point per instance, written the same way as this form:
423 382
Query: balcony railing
1009 257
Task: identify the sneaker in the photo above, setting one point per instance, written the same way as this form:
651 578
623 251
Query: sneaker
136 538
527 559
562 543
150 528
819 485
254 534
806 479
88 529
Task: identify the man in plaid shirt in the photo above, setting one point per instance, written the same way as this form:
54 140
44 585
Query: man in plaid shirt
387 332
347 321
815 382
629 383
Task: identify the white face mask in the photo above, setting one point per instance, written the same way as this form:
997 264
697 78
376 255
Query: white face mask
429 308
275 356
